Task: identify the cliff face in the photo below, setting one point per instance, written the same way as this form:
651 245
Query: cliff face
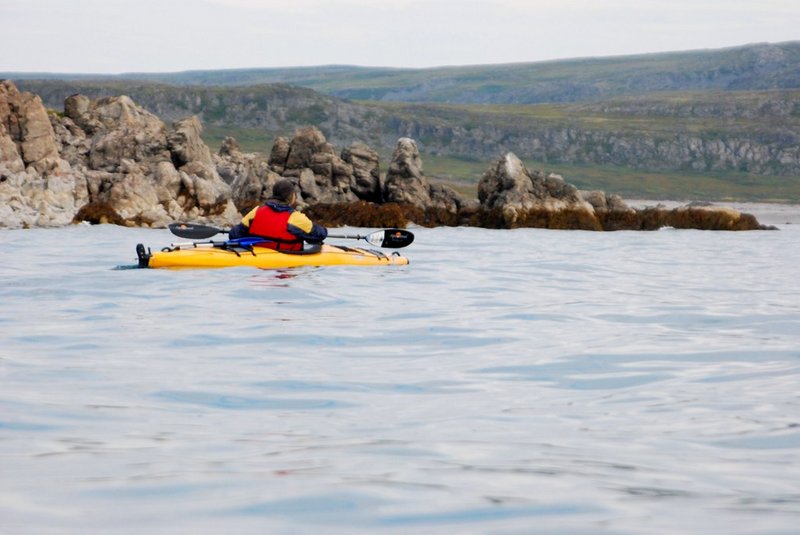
768 153
756 132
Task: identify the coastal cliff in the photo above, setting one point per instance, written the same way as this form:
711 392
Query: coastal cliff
753 132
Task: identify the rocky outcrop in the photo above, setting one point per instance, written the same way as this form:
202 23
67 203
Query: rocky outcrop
366 178
513 196
406 183
511 188
602 202
249 174
37 186
322 176
110 160
106 153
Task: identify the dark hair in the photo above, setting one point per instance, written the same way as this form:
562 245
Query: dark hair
283 190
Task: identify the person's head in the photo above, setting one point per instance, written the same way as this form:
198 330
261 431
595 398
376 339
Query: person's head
283 191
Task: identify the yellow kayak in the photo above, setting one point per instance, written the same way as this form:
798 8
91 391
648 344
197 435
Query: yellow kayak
211 255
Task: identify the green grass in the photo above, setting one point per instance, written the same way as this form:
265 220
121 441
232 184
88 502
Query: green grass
249 139
464 175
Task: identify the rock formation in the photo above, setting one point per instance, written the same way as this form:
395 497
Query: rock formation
512 196
511 188
366 178
109 154
406 183
109 160
37 186
249 174
322 176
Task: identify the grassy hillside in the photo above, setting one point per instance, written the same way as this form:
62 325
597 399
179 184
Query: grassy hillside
463 175
707 124
751 67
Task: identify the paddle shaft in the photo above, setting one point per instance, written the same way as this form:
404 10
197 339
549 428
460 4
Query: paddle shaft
391 238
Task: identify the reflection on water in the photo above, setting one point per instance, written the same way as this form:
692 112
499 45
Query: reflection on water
523 381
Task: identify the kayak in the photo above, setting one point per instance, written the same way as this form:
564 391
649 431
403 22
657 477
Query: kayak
221 254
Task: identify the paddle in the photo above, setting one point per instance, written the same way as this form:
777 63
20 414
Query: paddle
194 232
392 238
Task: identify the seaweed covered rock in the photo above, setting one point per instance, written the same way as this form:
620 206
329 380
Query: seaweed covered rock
528 198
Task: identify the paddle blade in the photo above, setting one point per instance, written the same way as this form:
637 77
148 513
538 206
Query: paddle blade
393 238
194 232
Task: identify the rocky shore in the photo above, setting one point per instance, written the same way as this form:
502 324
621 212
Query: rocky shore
109 160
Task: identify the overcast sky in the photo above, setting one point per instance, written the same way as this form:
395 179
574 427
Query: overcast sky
113 36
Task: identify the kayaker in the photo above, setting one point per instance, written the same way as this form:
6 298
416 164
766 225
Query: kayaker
279 222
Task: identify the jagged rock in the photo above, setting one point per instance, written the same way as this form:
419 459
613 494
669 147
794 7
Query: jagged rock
144 186
10 160
306 143
311 161
37 187
229 147
119 130
118 155
406 183
186 145
249 175
366 176
73 142
510 187
279 154
25 123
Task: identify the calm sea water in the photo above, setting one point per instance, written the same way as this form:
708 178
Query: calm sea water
506 382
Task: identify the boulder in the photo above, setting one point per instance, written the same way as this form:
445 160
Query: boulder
24 121
10 160
601 202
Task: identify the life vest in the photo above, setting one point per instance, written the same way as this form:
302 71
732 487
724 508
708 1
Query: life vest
272 225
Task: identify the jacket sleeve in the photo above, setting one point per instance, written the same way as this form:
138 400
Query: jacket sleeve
243 229
302 227
248 219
